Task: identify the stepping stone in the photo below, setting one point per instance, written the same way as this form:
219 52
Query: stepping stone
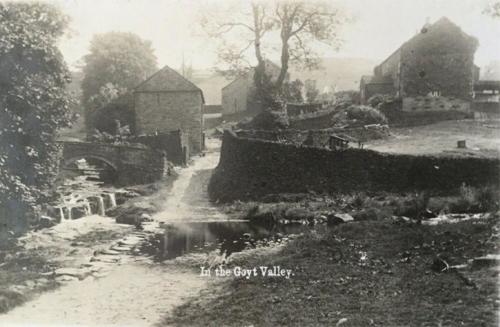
109 252
105 259
129 241
65 279
121 248
73 272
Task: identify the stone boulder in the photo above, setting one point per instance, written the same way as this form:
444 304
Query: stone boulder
46 222
338 218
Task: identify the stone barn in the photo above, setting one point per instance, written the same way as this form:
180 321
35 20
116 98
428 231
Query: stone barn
236 95
167 102
437 62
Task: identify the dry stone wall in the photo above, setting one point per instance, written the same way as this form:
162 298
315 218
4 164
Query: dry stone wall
250 169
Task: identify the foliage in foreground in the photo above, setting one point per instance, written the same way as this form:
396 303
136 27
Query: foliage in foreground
33 105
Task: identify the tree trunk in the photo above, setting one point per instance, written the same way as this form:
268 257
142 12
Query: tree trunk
260 69
285 57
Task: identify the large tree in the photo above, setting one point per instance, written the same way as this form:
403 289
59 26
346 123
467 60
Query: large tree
493 9
33 106
294 29
117 62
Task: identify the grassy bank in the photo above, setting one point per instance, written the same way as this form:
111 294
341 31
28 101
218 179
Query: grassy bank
366 273
364 206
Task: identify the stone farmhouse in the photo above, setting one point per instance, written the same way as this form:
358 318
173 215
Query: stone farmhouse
166 104
235 95
436 63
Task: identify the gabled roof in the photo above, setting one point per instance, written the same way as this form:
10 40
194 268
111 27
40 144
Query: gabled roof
267 62
245 76
167 80
443 22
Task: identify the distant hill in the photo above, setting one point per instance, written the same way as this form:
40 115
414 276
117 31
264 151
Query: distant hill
339 73
342 73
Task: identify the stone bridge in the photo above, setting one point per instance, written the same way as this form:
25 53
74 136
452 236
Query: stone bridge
131 164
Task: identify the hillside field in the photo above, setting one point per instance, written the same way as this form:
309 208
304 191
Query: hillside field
482 139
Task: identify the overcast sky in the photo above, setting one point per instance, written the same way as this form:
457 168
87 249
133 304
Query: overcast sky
378 28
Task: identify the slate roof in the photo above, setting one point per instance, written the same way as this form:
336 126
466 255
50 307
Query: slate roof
167 80
442 22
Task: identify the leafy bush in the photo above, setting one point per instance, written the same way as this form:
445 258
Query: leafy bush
375 100
359 116
267 120
488 199
476 200
348 96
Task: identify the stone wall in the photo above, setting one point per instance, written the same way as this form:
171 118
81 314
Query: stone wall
174 143
168 111
133 164
250 169
320 137
319 120
435 103
393 110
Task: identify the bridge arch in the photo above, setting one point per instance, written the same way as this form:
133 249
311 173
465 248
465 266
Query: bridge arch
73 159
129 164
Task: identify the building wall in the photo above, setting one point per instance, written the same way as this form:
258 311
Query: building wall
174 143
448 74
234 96
390 67
438 60
168 111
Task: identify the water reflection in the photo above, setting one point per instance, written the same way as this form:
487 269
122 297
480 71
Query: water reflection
227 237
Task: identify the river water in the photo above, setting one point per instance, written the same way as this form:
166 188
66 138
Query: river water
187 222
191 223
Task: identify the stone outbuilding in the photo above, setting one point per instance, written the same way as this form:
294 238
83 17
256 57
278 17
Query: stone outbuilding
437 62
167 102
236 95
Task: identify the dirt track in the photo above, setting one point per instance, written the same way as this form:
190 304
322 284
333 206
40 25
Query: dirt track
131 295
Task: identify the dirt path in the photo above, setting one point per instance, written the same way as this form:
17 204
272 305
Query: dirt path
132 292
131 295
